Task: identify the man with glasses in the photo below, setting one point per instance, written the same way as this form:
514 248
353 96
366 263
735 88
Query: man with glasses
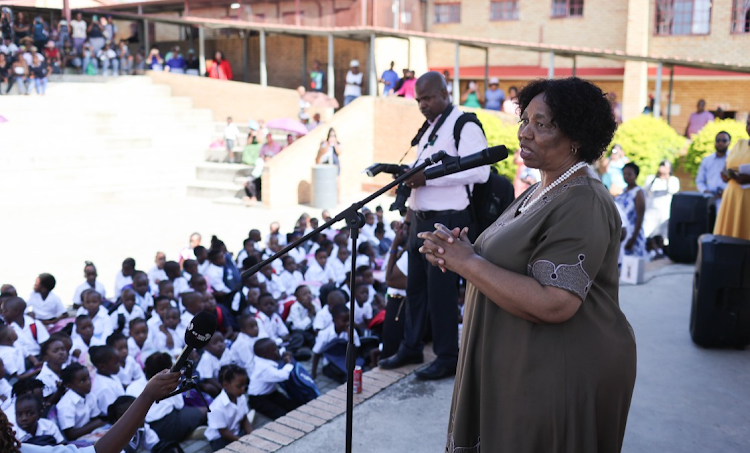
709 174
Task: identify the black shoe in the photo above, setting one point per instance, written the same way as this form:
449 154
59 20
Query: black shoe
436 371
398 360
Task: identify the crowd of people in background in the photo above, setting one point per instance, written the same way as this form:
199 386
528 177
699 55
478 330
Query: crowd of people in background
72 365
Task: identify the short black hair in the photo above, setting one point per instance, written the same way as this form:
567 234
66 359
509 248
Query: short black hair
129 262
115 337
157 362
27 385
33 398
228 372
100 354
632 166
261 345
135 321
163 284
198 249
68 374
722 132
170 267
47 281
361 270
118 408
81 318
338 310
214 253
44 347
579 108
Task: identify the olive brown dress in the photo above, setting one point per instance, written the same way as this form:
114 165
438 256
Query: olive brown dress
523 387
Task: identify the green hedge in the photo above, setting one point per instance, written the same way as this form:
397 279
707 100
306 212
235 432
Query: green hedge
703 141
647 141
499 132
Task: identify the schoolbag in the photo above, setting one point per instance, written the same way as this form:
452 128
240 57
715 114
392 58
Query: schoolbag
301 386
489 199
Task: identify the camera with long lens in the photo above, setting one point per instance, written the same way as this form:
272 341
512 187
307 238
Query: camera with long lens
402 191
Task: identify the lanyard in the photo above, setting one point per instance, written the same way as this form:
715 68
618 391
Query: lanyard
432 138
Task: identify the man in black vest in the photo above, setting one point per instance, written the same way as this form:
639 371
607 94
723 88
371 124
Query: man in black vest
432 296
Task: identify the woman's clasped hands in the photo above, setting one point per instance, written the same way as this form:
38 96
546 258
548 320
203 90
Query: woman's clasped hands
447 249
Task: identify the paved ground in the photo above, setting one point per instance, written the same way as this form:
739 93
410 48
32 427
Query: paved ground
686 399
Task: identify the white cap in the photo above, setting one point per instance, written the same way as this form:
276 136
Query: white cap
354 64
494 81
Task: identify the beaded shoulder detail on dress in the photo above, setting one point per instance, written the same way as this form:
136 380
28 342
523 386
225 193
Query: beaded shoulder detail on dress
571 277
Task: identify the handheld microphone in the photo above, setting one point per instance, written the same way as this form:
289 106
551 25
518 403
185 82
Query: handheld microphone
197 335
456 164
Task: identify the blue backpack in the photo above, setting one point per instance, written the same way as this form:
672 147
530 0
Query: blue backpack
301 386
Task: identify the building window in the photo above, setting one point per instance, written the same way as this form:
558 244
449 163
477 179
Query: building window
683 17
504 10
741 16
567 8
447 13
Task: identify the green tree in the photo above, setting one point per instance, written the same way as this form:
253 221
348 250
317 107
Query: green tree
500 132
703 141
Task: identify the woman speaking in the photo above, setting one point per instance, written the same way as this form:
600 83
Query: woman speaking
547 360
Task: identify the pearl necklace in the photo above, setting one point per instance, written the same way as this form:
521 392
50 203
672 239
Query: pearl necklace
525 206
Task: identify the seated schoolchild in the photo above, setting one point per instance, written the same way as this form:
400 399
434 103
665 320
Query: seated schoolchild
161 304
67 343
126 312
106 386
140 345
156 274
166 289
268 277
302 313
11 355
189 269
179 282
192 302
124 276
227 420
92 307
340 264
363 309
145 438
143 297
215 273
242 351
319 271
338 330
89 272
31 333
170 337
289 277
246 299
31 428
201 258
215 355
171 419
263 393
46 305
274 327
129 368
5 388
225 322
77 411
83 339
324 317
55 357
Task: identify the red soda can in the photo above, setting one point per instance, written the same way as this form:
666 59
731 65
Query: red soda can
357 379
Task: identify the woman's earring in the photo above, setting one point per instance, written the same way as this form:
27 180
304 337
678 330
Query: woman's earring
573 150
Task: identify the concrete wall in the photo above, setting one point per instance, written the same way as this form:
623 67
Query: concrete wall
369 129
241 101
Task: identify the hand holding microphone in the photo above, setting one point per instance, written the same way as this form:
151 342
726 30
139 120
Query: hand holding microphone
199 332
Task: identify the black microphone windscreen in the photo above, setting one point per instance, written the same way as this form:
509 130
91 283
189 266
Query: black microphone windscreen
200 330
498 153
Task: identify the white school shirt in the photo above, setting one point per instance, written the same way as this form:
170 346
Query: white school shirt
144 439
74 410
203 267
209 365
186 318
231 132
266 374
79 344
272 285
360 313
244 291
403 265
299 317
178 337
242 352
323 319
145 302
156 275
98 287
328 334
140 354
49 379
106 389
128 315
298 254
354 85
13 359
181 285
103 327
315 273
158 410
225 414
78 28
120 282
44 309
215 276
289 281
26 341
44 427
273 326
449 192
339 269
130 372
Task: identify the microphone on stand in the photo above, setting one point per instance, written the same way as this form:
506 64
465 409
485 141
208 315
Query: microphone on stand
199 332
454 164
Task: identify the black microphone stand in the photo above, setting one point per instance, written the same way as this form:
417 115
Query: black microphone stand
187 383
354 220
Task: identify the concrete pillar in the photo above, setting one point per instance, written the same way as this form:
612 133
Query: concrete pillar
575 66
331 75
657 92
486 68
202 50
66 10
456 76
372 77
246 55
263 70
304 61
146 44
186 8
669 98
551 67
635 79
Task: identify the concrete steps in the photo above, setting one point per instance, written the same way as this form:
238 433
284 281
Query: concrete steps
220 181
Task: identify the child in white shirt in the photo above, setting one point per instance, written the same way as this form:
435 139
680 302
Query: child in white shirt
129 369
263 393
83 339
242 352
157 274
363 311
301 314
324 318
125 276
227 420
29 421
89 271
5 388
319 271
92 307
77 411
340 265
215 272
11 356
289 277
338 330
214 356
268 317
46 305
271 280
55 356
192 302
140 345
170 337
174 274
31 333
107 386
126 312
143 297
